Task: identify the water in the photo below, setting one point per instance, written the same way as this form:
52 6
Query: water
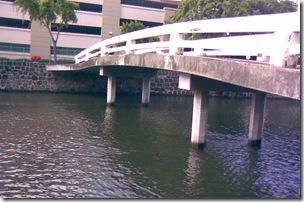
73 146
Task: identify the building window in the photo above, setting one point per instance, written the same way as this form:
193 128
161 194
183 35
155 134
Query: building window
8 22
81 30
148 4
66 51
90 7
12 47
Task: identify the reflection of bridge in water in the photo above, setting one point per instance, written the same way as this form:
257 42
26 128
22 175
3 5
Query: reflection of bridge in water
273 40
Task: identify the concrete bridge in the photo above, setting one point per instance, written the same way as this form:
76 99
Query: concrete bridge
203 68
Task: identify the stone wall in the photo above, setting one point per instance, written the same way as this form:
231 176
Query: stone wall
166 83
32 76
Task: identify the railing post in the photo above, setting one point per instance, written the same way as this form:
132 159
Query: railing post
175 38
282 53
103 50
128 48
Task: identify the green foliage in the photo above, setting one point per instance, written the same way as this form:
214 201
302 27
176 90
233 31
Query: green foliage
46 12
32 7
131 26
134 26
189 10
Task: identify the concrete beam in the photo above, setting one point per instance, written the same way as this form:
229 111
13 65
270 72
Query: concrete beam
199 118
256 119
125 71
184 81
192 82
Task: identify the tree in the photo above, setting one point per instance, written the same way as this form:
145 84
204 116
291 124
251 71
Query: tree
131 26
46 12
189 10
134 26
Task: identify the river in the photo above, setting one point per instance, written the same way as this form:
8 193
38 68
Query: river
74 146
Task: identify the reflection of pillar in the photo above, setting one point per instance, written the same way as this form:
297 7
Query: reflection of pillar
199 118
146 91
111 90
256 119
192 171
107 124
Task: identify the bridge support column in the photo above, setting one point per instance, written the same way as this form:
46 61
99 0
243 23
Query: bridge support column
256 119
111 90
146 91
199 118
112 72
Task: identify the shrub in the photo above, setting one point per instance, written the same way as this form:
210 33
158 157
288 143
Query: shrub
35 58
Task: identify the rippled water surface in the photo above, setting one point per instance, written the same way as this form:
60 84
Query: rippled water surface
73 146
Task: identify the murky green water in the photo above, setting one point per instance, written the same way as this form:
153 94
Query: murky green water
63 145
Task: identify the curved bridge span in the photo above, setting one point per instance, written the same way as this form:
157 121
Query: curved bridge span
205 73
274 40
201 75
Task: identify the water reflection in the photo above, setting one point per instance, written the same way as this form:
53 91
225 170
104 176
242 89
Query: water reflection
108 122
75 146
192 171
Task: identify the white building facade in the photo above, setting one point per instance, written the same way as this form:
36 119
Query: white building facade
97 20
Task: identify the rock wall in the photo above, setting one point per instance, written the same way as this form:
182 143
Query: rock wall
32 76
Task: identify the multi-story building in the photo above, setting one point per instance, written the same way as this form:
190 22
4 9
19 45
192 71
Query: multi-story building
97 20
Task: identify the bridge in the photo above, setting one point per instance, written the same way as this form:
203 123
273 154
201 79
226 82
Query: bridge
268 44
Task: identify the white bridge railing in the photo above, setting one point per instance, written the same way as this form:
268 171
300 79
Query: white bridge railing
271 38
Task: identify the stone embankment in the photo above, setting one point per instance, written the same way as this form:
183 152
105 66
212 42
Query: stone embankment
33 77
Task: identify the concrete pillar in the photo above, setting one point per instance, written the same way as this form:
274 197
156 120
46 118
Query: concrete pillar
111 13
199 118
146 91
256 119
40 41
111 90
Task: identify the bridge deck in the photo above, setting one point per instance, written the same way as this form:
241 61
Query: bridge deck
243 73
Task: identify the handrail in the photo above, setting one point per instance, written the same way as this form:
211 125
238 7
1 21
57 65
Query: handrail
280 35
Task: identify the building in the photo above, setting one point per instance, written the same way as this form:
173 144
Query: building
97 20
